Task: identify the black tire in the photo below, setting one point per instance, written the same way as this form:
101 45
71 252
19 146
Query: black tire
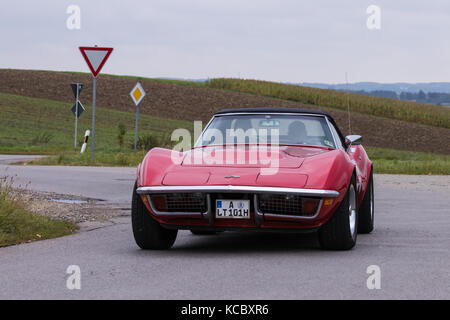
148 233
337 234
367 209
203 233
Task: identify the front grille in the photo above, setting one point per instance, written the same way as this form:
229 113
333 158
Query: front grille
281 204
181 202
276 204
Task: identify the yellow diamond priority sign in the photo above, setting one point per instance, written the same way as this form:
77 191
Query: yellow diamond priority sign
137 94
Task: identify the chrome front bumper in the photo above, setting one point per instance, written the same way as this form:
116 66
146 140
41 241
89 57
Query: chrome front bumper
259 216
247 189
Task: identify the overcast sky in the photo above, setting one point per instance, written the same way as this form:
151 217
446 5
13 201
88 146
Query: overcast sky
278 40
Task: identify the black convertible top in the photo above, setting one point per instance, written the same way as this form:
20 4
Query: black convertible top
283 110
274 110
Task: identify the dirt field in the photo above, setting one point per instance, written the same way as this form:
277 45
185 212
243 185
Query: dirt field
189 103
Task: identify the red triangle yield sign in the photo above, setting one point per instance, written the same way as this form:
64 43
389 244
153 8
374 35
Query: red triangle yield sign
95 58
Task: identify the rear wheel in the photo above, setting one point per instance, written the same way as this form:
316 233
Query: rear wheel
148 233
340 232
366 211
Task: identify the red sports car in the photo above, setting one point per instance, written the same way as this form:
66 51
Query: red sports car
279 170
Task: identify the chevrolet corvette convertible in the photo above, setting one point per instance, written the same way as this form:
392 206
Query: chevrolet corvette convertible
258 169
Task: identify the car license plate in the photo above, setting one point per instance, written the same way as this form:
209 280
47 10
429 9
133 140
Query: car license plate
233 209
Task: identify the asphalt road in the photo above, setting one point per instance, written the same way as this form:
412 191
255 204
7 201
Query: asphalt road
411 245
114 185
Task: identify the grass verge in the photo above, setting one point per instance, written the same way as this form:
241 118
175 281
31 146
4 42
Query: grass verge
107 159
18 225
408 162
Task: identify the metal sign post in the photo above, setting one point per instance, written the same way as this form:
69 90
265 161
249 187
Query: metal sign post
95 58
137 94
136 129
94 93
76 119
76 88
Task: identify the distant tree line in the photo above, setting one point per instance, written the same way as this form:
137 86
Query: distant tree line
438 98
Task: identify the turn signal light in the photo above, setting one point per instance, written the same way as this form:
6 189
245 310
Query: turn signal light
145 199
328 202
309 206
159 202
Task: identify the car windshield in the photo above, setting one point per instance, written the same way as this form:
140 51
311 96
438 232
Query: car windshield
267 129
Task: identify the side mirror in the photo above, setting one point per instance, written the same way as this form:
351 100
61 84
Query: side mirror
353 140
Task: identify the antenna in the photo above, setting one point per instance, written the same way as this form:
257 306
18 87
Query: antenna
348 105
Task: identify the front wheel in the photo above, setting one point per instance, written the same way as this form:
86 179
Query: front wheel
367 209
148 233
340 232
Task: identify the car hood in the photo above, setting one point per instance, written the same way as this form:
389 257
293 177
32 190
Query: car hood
250 157
299 167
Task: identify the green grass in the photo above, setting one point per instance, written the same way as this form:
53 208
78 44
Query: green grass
39 126
389 108
408 162
109 159
17 225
